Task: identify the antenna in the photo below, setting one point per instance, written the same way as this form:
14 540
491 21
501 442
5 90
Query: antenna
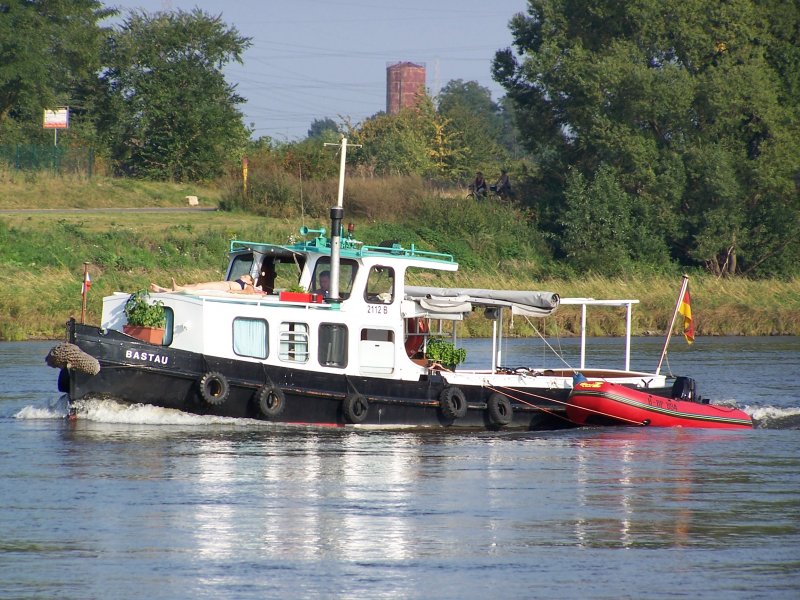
437 82
302 206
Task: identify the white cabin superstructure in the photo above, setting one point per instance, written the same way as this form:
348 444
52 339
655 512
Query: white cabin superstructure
366 332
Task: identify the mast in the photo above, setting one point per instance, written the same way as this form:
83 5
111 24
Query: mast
337 214
684 284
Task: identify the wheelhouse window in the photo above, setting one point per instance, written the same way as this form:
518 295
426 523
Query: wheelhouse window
380 285
250 337
332 345
242 264
293 342
322 270
271 271
280 272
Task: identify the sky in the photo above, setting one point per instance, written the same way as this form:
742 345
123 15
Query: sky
312 59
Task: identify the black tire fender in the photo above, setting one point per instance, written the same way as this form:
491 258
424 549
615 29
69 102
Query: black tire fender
214 388
499 409
453 402
271 401
355 408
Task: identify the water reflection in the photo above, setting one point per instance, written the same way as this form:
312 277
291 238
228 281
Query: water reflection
180 505
675 488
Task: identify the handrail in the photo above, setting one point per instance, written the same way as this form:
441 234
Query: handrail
349 247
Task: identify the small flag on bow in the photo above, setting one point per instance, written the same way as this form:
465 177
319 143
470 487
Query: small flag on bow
686 310
87 283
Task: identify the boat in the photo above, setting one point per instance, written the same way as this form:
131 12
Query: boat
606 403
354 358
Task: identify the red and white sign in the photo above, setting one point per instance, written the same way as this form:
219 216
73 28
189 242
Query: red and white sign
56 119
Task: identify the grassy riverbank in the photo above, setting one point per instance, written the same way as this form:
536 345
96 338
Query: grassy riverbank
42 256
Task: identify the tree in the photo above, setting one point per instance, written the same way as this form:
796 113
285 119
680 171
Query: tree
446 151
323 127
470 112
398 144
597 223
168 111
602 229
49 53
690 103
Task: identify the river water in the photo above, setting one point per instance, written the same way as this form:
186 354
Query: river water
139 502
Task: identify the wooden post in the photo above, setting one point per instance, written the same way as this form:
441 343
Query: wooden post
244 175
84 293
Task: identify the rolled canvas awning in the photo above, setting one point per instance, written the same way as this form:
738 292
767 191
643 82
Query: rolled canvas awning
450 300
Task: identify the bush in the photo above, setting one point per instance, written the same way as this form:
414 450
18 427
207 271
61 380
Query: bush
445 353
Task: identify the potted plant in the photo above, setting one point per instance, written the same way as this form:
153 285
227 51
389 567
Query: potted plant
439 350
146 318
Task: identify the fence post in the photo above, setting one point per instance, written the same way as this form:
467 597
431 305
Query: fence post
90 166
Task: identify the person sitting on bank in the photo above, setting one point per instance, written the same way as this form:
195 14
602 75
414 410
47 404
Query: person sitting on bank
243 285
503 185
478 187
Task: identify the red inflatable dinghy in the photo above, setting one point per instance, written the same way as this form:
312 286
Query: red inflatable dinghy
600 402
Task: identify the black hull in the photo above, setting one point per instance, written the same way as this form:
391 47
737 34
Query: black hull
137 372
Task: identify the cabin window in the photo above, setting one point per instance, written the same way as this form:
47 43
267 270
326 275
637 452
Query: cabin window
250 337
169 326
376 351
293 342
347 274
332 345
380 285
377 335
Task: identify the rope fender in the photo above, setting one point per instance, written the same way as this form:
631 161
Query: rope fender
69 356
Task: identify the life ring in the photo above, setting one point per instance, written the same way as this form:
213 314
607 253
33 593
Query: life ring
214 388
271 401
499 410
453 403
355 408
415 332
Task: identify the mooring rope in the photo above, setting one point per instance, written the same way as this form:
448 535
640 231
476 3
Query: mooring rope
544 339
541 408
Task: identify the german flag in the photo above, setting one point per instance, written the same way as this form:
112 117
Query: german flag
685 309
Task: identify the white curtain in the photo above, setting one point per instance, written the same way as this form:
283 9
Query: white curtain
250 337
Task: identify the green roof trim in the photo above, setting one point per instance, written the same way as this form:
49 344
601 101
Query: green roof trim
350 248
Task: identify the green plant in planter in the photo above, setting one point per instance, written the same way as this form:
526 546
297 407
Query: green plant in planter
443 352
141 313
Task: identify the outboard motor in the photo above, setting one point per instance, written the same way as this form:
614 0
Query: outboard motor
685 388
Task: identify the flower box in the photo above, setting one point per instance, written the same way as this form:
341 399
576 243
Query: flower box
151 335
295 296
